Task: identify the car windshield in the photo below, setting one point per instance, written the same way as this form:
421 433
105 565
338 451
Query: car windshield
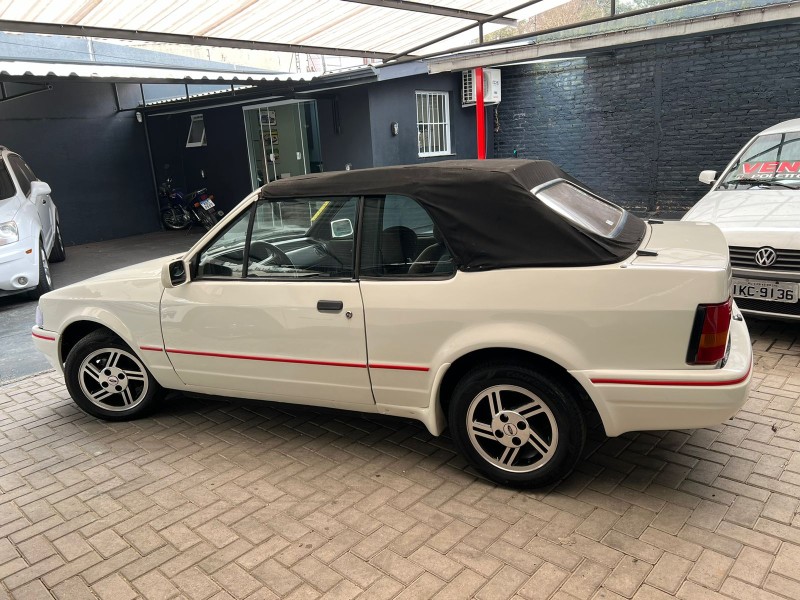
769 161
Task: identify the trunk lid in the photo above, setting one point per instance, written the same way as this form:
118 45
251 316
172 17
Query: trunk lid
693 245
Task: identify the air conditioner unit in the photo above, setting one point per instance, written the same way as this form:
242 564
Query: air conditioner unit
491 87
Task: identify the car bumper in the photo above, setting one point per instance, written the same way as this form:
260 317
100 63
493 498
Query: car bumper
767 308
46 342
18 260
675 399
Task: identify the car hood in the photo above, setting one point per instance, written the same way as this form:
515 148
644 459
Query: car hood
141 281
752 218
8 209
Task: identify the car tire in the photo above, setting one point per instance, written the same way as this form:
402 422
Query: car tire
174 218
45 280
516 426
107 380
57 252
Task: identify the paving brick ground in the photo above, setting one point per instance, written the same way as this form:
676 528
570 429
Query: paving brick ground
248 501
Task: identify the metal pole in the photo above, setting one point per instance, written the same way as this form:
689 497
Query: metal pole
152 170
480 114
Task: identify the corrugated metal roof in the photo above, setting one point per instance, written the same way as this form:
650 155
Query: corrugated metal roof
333 24
127 73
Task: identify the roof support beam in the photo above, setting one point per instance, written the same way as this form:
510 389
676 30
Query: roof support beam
179 38
479 24
711 24
436 10
530 37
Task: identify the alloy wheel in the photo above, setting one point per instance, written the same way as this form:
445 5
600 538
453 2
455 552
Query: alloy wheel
113 379
512 428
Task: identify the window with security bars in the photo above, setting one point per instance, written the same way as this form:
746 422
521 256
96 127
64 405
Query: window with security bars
433 123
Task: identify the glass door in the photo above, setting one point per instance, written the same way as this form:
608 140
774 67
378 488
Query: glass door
282 141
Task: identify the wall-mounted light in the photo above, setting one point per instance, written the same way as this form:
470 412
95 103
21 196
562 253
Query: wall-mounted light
139 117
395 127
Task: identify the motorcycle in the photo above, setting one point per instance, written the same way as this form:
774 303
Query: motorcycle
182 210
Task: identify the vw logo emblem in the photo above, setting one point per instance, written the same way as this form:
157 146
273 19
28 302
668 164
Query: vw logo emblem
766 256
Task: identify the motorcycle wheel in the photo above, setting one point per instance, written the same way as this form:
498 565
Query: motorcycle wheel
174 219
208 219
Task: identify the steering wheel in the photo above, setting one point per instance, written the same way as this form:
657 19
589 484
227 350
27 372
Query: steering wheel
267 253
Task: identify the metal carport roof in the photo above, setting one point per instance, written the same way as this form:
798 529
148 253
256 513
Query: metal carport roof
375 29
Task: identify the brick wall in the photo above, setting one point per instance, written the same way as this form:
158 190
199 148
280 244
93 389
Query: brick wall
639 124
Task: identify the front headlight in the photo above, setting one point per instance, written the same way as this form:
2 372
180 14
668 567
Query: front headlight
9 233
39 317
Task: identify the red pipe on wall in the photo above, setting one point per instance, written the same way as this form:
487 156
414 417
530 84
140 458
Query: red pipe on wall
480 113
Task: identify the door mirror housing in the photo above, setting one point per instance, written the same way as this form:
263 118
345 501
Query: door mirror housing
341 228
708 177
40 188
174 273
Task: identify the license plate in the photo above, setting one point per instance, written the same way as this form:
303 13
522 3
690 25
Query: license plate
773 291
207 203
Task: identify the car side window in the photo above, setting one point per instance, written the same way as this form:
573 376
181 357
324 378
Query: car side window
401 240
7 188
224 257
19 172
293 238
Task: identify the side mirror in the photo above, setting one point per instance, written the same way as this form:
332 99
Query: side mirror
341 228
40 188
708 177
174 273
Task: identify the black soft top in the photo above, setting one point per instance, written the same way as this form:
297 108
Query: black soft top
484 209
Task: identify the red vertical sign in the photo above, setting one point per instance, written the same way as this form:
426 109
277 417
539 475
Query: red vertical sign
480 113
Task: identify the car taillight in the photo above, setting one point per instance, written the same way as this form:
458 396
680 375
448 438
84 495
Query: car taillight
709 333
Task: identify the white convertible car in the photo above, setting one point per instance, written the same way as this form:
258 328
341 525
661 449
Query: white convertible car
756 203
499 297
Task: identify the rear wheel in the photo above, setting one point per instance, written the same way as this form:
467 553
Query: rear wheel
208 219
45 280
516 426
57 252
107 380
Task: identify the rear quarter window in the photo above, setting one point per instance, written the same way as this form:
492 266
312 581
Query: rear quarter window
584 209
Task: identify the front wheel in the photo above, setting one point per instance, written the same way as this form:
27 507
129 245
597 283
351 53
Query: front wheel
57 253
45 279
107 380
174 218
516 426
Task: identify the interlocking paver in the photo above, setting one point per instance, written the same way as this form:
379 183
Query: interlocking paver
208 500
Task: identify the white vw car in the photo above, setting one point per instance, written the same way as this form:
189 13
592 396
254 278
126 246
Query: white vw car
500 298
29 230
756 203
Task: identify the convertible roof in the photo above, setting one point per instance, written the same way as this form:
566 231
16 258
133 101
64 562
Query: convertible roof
484 209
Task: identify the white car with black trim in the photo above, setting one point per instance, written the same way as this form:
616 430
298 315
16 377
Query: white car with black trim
30 234
501 298
756 204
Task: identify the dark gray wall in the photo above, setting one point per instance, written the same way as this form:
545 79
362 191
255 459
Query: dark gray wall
344 123
365 114
638 125
93 157
394 101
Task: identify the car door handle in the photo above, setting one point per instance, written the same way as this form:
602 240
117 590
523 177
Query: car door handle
330 305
